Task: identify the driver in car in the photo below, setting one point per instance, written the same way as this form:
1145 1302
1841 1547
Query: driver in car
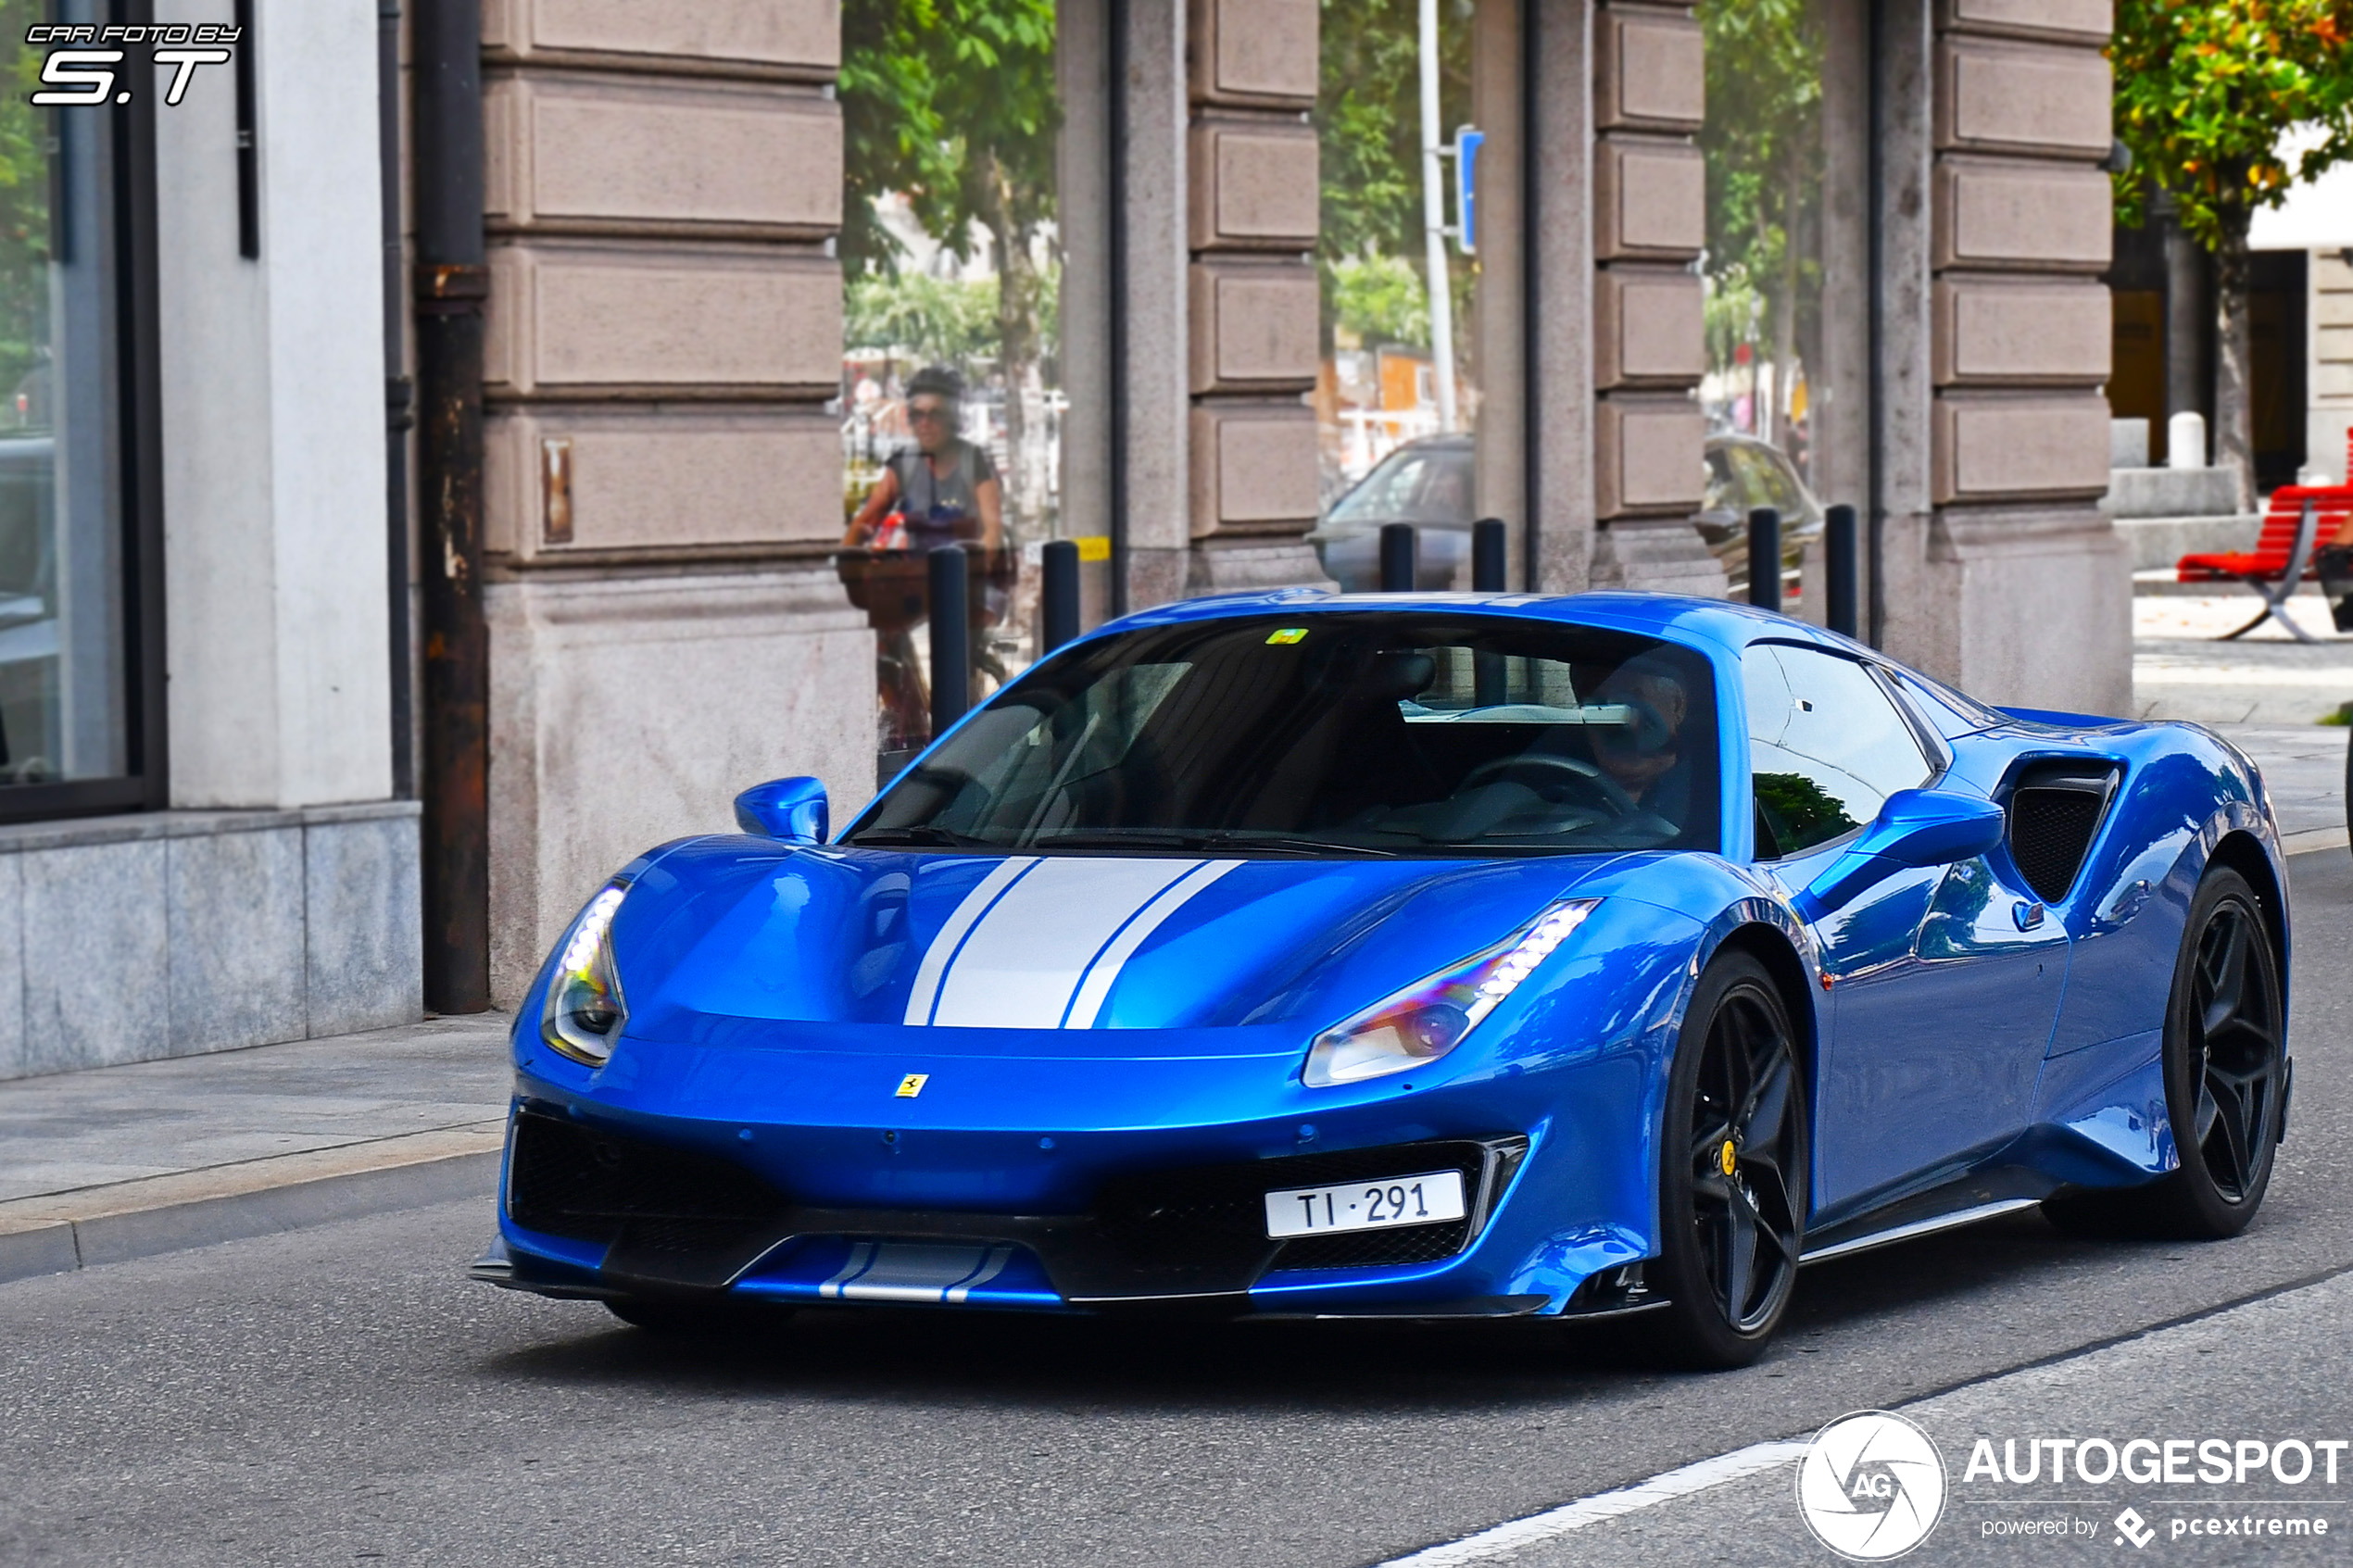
1642 755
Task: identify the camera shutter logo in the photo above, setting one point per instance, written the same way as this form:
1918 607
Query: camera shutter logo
1872 1486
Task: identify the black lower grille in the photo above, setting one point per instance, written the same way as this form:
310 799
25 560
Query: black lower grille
571 1180
1377 1250
674 1219
1220 1225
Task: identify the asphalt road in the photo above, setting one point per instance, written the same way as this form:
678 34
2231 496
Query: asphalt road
341 1394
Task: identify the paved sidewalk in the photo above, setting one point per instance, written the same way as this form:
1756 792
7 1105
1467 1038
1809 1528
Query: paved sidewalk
121 1161
2180 670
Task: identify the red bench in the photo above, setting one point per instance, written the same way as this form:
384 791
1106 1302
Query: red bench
2300 517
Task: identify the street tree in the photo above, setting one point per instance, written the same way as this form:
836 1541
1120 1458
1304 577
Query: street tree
1368 127
1763 143
2207 93
952 106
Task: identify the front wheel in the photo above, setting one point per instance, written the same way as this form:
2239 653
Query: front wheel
2225 1053
1733 1170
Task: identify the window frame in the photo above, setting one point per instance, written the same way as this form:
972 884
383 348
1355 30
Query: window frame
144 785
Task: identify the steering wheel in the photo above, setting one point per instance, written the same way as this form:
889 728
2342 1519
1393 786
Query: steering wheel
1586 785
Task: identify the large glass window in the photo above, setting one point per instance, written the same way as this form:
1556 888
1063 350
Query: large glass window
1784 142
1827 746
951 392
1398 394
1345 733
64 680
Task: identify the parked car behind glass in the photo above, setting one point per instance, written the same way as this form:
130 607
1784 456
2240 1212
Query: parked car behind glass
1428 483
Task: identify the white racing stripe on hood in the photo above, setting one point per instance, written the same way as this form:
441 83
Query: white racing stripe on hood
925 996
1045 953
1095 988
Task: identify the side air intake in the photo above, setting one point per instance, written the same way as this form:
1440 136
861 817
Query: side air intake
2055 809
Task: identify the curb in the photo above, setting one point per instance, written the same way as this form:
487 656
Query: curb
2312 841
61 1232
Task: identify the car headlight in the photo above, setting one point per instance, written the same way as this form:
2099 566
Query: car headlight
584 1011
1429 1018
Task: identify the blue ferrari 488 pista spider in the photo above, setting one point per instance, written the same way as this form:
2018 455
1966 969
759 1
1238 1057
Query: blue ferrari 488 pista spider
1415 956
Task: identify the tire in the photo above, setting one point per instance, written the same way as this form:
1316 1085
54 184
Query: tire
1730 1240
686 1318
2225 1055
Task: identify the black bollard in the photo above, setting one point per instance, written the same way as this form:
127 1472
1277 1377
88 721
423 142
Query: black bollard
1765 559
1058 608
1840 550
1397 550
1487 555
951 663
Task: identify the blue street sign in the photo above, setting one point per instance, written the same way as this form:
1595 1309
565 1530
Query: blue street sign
1467 144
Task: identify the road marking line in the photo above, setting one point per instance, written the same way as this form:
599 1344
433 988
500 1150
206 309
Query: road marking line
2312 839
1603 1506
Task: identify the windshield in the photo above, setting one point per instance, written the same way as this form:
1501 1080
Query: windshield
1340 733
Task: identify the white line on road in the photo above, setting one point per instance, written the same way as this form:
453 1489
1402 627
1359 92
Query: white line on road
1665 1488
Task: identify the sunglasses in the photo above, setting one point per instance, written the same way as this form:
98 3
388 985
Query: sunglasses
929 413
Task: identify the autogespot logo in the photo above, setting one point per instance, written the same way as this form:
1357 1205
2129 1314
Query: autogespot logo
1872 1486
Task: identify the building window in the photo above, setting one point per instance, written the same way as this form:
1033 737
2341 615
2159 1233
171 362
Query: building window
953 394
1785 386
73 690
1398 395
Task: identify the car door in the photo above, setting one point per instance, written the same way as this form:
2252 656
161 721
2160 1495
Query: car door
1942 995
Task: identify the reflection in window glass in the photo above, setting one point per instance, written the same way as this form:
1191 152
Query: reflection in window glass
61 630
1766 255
1379 385
1826 746
951 396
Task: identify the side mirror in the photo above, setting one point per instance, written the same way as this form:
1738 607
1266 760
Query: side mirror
791 810
1917 827
1932 827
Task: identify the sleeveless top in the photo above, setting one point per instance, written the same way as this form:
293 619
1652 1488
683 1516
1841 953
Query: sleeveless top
942 508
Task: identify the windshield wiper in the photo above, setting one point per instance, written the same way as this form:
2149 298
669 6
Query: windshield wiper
1171 838
1292 845
1115 838
943 837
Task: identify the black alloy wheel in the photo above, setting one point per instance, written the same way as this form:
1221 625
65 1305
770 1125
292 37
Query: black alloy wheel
1733 1170
2225 1053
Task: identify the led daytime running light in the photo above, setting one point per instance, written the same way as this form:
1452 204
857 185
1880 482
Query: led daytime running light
584 1011
589 933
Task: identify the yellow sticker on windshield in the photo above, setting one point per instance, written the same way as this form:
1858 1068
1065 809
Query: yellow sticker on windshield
1289 634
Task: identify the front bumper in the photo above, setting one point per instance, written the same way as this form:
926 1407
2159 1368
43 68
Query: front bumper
594 1210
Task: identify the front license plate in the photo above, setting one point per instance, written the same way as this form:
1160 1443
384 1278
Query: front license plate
1365 1206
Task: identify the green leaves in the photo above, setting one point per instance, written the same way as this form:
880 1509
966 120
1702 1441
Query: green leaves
1368 126
1763 137
2206 90
953 105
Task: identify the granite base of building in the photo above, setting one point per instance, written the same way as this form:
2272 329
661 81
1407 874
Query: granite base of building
1657 556
2020 609
626 712
132 938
